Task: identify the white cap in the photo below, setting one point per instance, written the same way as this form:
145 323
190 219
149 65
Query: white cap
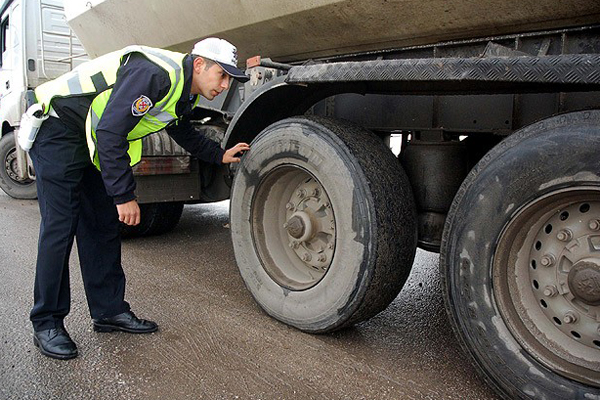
223 53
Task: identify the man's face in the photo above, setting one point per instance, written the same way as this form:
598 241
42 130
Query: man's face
209 82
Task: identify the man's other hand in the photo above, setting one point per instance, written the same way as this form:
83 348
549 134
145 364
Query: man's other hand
229 156
129 213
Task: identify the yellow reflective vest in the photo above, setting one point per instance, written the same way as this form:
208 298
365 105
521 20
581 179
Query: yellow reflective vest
98 76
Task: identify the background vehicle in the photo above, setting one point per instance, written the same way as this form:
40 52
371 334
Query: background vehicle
498 110
37 46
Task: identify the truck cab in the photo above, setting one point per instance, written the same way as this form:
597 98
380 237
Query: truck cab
37 45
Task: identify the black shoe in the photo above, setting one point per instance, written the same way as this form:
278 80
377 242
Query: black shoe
125 322
55 343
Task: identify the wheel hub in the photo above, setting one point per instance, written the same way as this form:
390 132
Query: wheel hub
299 226
552 297
296 237
566 280
10 164
310 225
584 282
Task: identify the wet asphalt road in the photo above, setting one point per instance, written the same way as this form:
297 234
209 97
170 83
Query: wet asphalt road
214 342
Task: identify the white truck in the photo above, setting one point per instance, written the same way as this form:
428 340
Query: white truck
497 105
38 45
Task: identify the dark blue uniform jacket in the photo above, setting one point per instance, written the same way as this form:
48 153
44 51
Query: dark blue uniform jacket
136 77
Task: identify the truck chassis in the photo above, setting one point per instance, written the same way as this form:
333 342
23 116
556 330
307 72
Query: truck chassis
498 171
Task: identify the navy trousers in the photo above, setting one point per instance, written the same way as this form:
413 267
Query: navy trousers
73 203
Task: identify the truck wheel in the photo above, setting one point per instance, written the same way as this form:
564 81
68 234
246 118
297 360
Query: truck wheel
323 223
520 260
156 219
9 177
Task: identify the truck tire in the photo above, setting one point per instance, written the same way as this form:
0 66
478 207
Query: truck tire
323 223
520 261
9 179
156 219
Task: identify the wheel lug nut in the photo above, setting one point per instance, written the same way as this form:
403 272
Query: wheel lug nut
290 206
548 260
330 246
564 235
294 245
306 257
301 193
326 205
322 258
570 317
316 192
550 291
594 224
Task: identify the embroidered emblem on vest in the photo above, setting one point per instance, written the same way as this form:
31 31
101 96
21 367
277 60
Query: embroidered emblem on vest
140 106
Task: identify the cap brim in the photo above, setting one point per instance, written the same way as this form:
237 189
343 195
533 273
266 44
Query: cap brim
234 72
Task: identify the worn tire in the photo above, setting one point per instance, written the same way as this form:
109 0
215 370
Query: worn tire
519 256
156 219
355 248
12 186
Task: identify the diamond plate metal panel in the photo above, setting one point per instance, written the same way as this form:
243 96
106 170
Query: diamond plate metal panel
562 70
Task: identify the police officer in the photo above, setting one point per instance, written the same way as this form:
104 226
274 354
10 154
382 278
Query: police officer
83 155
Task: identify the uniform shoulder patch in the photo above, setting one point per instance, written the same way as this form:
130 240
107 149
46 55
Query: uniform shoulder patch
141 106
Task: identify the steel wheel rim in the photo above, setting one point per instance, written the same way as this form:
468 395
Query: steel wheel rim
10 165
293 227
544 269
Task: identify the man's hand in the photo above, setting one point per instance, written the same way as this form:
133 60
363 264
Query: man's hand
129 213
229 156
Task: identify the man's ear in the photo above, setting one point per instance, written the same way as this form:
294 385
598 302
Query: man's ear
198 64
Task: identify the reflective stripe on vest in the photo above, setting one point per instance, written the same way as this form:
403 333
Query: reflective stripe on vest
99 75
